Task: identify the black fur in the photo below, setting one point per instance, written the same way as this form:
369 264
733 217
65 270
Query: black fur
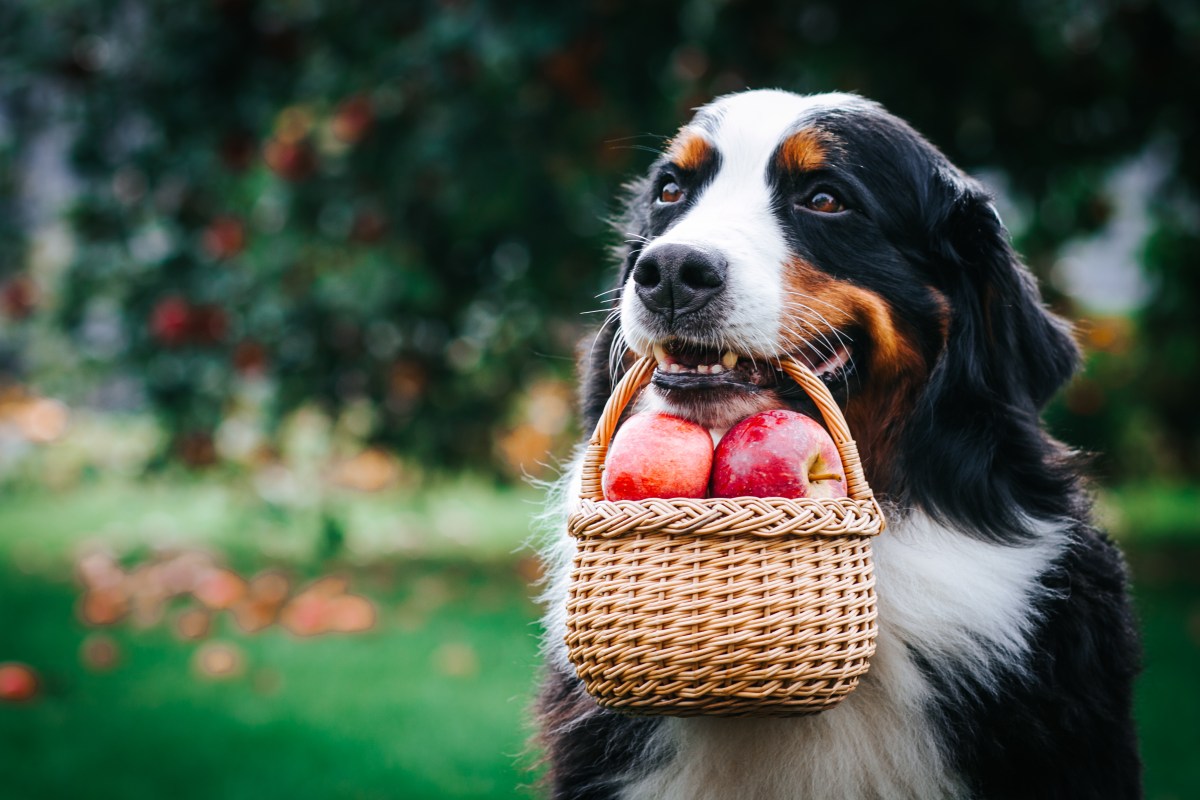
588 750
972 453
1063 730
1006 355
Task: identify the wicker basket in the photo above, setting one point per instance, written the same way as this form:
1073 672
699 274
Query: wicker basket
750 606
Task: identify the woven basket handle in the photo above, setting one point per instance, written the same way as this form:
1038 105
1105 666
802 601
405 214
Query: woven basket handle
639 374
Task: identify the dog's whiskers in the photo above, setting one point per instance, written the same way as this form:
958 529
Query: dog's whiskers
806 316
613 316
616 352
808 313
622 143
822 339
793 303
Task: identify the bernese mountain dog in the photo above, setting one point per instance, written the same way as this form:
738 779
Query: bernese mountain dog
825 229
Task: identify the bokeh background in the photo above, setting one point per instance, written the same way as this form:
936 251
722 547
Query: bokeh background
289 297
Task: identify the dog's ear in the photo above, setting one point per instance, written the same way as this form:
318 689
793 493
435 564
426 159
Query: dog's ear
1001 332
975 451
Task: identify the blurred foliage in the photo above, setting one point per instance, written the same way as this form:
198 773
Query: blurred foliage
394 211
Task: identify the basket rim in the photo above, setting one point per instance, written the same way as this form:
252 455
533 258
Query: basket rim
772 517
638 375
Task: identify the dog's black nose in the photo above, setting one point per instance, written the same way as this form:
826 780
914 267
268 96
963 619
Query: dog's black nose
675 278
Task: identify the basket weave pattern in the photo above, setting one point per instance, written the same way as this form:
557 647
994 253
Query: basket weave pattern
722 606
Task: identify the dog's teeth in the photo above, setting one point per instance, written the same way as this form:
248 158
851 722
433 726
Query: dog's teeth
675 368
702 369
716 369
729 360
660 355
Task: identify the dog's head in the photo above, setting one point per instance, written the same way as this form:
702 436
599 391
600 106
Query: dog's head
824 229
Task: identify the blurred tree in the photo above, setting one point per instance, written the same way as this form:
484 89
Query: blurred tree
404 202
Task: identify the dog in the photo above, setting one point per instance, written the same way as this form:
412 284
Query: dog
825 229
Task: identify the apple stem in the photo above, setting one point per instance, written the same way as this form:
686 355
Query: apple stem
825 476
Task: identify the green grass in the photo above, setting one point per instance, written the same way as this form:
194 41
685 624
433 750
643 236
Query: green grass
381 714
1166 583
430 704
463 519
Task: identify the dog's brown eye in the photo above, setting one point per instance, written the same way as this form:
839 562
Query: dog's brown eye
824 203
671 193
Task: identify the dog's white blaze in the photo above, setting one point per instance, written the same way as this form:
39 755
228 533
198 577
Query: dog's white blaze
734 217
962 603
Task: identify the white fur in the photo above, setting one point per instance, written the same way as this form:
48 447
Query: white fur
733 216
964 604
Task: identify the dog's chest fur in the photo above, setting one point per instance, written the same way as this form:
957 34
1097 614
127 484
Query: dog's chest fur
964 605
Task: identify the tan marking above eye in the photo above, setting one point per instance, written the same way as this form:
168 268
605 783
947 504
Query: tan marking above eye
689 150
803 151
671 193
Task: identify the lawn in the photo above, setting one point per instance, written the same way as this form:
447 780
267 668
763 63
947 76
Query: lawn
429 703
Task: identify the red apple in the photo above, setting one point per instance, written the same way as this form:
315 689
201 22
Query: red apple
18 297
353 119
658 455
18 683
778 454
170 319
224 237
219 589
250 358
290 160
